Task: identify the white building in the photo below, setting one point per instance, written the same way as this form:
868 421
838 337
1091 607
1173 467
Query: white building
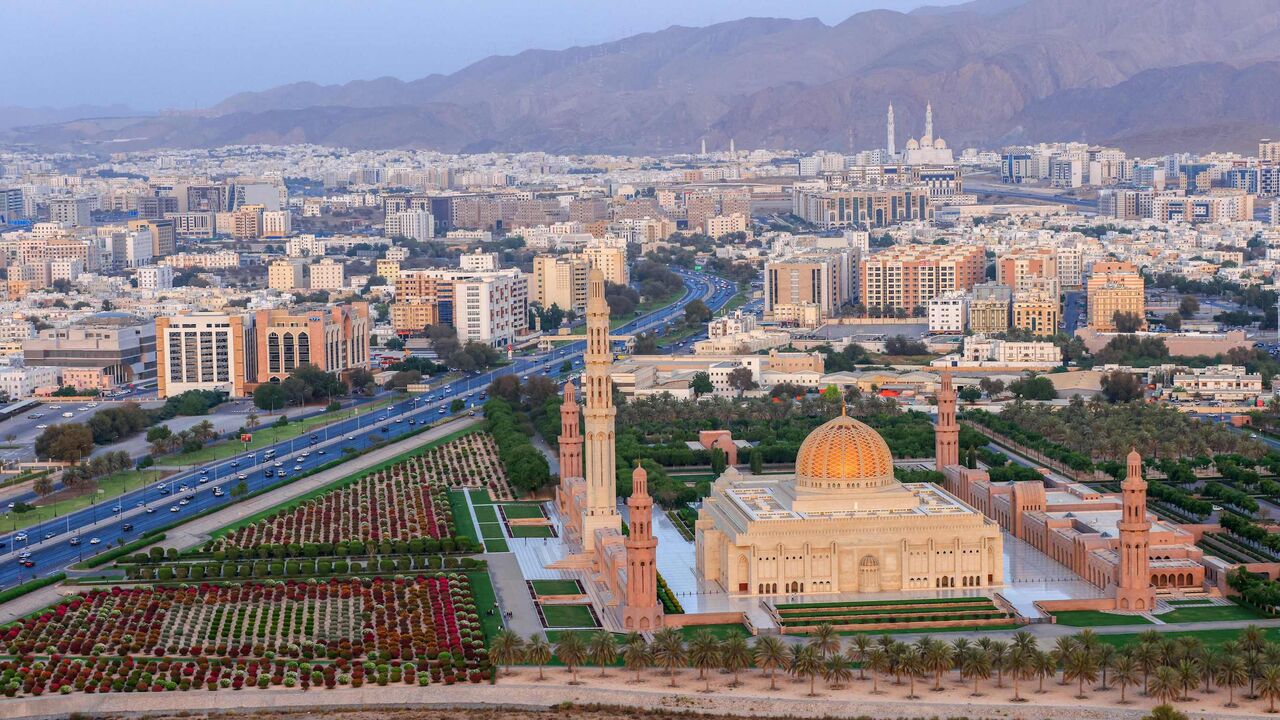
1230 383
948 313
72 211
491 307
479 262
304 246
131 249
192 224
413 224
277 223
981 349
734 323
65 269
21 382
155 277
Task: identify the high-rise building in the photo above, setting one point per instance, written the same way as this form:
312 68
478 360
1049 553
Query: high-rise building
74 211
413 224
803 290
479 261
862 207
1115 288
246 222
205 351
1037 310
277 223
561 281
11 205
1028 266
948 313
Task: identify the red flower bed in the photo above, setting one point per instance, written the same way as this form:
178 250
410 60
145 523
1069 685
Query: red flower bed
122 636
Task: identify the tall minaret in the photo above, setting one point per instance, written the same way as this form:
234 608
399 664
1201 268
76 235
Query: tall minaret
732 149
598 418
946 436
928 125
570 436
892 151
704 147
641 611
1133 587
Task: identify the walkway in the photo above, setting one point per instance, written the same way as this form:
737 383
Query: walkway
513 594
198 530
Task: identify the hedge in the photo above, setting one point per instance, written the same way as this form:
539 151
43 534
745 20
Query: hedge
18 591
108 556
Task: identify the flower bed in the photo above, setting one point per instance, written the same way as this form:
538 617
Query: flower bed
377 619
406 501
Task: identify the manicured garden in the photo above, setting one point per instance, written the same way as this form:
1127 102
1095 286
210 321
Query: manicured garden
543 588
843 615
1211 613
567 616
1097 618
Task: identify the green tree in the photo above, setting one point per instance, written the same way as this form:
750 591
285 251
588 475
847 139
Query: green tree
808 664
704 654
696 313
701 384
735 655
976 666
269 397
1119 386
603 649
66 442
538 652
1127 322
970 394
1232 673
669 651
837 671
1164 684
770 654
507 649
1173 321
1036 387
571 651
636 655
757 461
1188 306
1269 685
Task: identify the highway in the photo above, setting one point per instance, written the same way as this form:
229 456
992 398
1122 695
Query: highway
161 503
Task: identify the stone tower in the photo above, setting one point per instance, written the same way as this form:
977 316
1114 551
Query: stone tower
598 419
946 436
928 125
641 612
570 436
1133 587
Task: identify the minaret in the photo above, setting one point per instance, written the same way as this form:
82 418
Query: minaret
1133 587
570 436
928 125
732 149
642 611
892 151
704 147
946 436
598 418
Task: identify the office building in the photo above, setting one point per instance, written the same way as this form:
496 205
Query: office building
333 338
11 205
561 281
862 208
164 235
205 351
1037 311
1114 288
413 224
611 259
277 223
119 345
73 211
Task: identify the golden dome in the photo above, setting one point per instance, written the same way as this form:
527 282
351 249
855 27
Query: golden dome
844 454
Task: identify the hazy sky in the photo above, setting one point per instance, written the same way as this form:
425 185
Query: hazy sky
153 54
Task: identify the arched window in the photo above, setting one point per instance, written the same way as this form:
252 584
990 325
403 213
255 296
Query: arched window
290 353
304 348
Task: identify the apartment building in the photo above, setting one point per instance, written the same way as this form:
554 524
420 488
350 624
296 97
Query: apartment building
862 208
478 261
285 276
73 211
1113 288
277 223
155 277
413 224
1028 266
164 235
328 274
207 261
948 313
192 225
1037 311
909 276
803 290
561 281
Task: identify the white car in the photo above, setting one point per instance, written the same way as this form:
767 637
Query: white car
68 414
41 427
55 407
94 541
184 501
20 537
173 508
278 464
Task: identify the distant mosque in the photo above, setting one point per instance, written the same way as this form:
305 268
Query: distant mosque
928 150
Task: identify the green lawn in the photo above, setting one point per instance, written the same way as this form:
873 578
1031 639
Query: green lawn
480 497
974 629
486 514
1211 614
855 604
1210 638
1095 618
568 616
109 488
522 510
462 516
491 531
267 434
1176 603
720 632
482 591
496 546
557 587
531 531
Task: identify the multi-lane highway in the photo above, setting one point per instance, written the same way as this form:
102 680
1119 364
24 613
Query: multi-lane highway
162 502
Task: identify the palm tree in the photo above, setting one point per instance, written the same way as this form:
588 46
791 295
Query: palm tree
1087 639
538 652
507 649
770 654
1164 684
1106 655
896 651
1063 647
734 656
877 662
999 654
976 666
572 651
857 653
669 651
704 654
809 664
836 671
1020 662
1189 672
1232 673
912 664
1269 685
1210 659
637 656
1252 638
793 659
1125 672
938 659
1046 665
1147 655
603 649
1082 666
825 640
1025 641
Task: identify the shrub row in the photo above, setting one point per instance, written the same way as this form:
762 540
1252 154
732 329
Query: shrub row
297 568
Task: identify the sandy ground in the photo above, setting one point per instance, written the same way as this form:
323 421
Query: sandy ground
522 695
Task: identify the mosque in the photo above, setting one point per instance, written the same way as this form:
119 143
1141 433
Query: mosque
928 150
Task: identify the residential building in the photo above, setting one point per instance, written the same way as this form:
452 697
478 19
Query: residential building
11 205
803 290
277 223
561 281
948 312
1037 311
1113 288
721 225
479 261
328 274
285 276
65 269
388 270
1220 206
909 276
222 259
246 222
862 208
131 249
413 224
192 225
611 259
73 211
1221 383
979 348
155 277
164 235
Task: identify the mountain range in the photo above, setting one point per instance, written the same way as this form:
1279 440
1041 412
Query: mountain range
1150 76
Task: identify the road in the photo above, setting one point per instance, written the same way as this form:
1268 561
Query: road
160 503
1011 191
1072 311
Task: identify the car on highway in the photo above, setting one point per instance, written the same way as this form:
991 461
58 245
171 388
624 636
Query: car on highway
42 427
150 510
235 463
35 416
26 563
48 536
73 541
203 480
94 541
68 414
127 527
184 501
183 488
115 508
319 452
20 537
268 473
351 437
173 508
241 476
217 492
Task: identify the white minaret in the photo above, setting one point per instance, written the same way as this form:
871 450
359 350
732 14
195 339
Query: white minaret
928 125
598 419
732 151
891 148
704 147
